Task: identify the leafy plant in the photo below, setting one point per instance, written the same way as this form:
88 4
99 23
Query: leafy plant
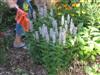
50 49
89 43
6 16
93 70
53 57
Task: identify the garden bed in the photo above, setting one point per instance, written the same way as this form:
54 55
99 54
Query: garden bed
19 63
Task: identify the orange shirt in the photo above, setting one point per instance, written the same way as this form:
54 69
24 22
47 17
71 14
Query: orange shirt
22 19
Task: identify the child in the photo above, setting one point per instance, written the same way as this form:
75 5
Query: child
19 29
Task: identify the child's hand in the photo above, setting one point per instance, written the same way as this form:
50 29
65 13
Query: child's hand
12 3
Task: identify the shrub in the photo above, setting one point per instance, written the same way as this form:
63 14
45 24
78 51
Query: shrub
6 16
6 20
89 43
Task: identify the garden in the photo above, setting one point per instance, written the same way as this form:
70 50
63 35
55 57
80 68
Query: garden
64 39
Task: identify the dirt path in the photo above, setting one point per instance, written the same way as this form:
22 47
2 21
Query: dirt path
20 63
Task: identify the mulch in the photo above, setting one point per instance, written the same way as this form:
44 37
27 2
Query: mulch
19 62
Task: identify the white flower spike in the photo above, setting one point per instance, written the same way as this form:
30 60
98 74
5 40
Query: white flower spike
68 19
62 20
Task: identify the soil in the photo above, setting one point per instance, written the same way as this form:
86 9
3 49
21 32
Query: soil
19 62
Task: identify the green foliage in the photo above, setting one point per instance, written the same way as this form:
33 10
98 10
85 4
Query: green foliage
53 57
2 52
89 14
69 1
6 19
5 43
87 18
85 12
93 70
89 40
84 47
89 30
6 16
3 6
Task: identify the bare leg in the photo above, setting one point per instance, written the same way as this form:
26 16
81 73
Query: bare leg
17 40
19 31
